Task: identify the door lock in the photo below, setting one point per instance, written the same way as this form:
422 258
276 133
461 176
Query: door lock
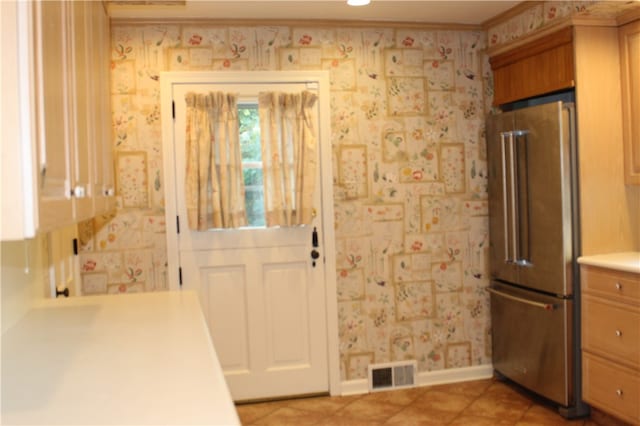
314 243
314 255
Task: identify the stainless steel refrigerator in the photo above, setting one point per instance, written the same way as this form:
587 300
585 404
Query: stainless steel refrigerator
533 246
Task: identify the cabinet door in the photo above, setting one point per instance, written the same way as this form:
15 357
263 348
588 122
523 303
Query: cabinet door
104 184
17 186
536 68
629 36
52 84
81 96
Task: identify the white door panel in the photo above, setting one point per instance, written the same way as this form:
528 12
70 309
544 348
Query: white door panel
286 322
262 307
225 296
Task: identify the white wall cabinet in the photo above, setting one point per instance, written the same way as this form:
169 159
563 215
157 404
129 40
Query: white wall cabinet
100 106
92 174
52 112
18 172
56 168
80 41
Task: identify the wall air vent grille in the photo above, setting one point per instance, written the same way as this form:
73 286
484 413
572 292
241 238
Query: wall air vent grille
382 377
392 375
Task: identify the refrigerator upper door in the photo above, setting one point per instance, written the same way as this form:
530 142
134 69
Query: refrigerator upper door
530 215
499 128
544 217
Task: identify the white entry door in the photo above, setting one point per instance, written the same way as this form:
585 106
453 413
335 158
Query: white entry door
263 295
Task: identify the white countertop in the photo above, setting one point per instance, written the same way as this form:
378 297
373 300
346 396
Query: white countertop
626 261
137 359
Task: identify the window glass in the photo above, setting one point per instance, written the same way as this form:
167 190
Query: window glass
249 122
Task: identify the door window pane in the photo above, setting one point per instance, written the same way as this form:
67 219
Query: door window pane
252 163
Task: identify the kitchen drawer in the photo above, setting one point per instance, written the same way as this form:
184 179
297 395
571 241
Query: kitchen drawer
617 285
611 329
613 389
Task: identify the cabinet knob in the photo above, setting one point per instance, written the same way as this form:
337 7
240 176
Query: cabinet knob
618 286
109 192
619 333
619 392
78 191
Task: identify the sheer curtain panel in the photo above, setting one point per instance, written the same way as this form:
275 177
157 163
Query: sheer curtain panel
289 156
214 184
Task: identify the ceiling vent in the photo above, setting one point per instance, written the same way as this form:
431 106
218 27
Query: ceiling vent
392 375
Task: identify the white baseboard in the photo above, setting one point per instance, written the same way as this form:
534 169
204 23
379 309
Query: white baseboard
354 387
455 375
427 378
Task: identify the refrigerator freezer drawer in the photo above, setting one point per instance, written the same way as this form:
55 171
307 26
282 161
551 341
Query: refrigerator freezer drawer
532 341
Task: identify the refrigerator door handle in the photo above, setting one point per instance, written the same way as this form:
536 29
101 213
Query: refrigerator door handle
505 196
513 194
522 203
545 306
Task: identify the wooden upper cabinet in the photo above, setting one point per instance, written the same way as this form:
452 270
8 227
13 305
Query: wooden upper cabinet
536 68
629 37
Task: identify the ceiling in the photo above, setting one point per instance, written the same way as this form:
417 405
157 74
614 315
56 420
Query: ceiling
416 11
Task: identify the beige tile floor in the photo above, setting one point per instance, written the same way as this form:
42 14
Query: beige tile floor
476 403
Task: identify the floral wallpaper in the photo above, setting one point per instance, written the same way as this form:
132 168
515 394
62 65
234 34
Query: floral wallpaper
409 172
409 162
547 13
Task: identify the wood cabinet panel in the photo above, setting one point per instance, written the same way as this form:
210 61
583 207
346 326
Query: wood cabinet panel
537 68
613 389
608 211
611 341
615 285
629 36
611 330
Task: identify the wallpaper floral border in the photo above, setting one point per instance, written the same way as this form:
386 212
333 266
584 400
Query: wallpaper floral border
547 13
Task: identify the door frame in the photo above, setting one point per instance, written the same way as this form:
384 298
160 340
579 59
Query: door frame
317 80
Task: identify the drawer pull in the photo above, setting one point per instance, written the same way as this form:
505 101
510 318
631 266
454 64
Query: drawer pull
618 286
619 392
618 333
545 306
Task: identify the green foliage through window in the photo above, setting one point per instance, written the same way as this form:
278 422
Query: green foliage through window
249 122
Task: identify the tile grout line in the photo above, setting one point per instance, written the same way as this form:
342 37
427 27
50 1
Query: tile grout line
468 405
